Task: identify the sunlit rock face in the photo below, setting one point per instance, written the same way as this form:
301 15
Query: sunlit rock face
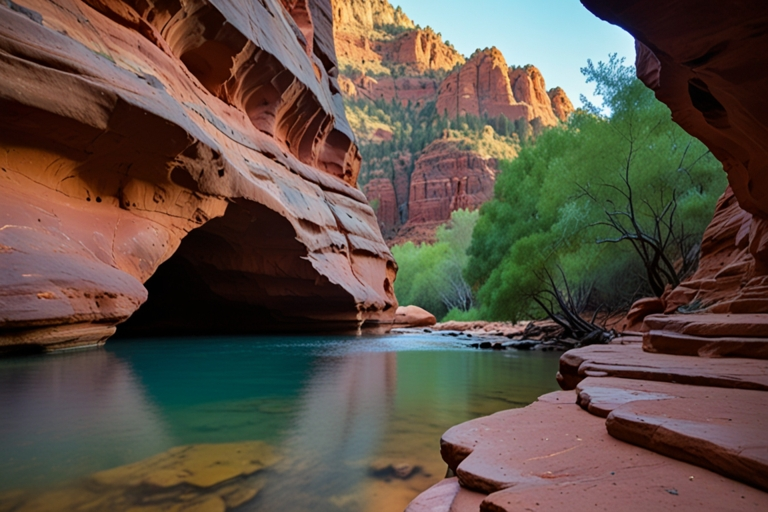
710 66
486 86
206 134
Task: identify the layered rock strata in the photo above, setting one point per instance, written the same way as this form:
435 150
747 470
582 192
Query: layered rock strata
447 178
372 36
207 135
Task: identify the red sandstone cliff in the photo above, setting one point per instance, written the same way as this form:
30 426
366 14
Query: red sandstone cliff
561 104
486 86
207 135
385 57
373 37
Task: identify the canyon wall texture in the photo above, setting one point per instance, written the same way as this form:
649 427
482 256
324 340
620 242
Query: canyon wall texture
200 142
712 75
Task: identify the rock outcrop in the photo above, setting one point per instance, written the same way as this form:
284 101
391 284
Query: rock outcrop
406 89
207 135
561 104
367 15
372 36
447 178
486 86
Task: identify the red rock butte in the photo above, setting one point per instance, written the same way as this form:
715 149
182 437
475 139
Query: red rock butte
199 147
486 86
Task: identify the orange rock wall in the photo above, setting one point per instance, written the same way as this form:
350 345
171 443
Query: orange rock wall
446 179
416 90
126 126
486 86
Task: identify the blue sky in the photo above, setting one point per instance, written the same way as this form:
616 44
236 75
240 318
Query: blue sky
557 36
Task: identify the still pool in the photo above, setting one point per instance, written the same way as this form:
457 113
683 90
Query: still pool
342 423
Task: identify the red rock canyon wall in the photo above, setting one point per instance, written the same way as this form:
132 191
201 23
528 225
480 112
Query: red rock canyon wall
209 135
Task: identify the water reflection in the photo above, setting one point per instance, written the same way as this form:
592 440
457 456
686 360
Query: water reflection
72 414
356 420
343 414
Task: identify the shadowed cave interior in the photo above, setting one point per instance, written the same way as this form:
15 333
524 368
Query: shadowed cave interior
243 273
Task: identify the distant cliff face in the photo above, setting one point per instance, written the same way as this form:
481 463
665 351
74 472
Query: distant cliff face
198 146
367 15
486 86
385 57
374 38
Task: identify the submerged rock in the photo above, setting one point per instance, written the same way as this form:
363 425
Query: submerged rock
199 478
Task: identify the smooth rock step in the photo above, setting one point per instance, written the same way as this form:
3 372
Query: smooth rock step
674 343
447 496
552 455
711 325
631 362
723 430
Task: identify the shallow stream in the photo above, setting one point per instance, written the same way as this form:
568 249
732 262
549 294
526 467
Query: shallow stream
345 423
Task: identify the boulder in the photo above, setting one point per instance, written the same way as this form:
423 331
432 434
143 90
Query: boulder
414 316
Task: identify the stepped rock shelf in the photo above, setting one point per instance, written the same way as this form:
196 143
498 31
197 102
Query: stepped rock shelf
672 416
198 147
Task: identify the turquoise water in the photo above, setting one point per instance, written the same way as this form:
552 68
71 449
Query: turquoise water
337 409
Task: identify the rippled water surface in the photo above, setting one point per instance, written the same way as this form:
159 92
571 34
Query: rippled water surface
347 423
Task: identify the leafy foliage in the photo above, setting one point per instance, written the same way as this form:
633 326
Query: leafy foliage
430 276
559 197
413 129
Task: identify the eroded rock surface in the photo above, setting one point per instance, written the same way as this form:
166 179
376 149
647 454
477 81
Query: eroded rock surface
128 126
631 362
447 178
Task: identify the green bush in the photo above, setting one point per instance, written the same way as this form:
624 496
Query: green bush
554 202
431 276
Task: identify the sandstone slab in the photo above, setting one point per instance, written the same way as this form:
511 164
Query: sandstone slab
665 342
711 325
552 455
723 431
631 362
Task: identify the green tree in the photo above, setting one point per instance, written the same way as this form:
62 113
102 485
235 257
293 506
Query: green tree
431 276
568 191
